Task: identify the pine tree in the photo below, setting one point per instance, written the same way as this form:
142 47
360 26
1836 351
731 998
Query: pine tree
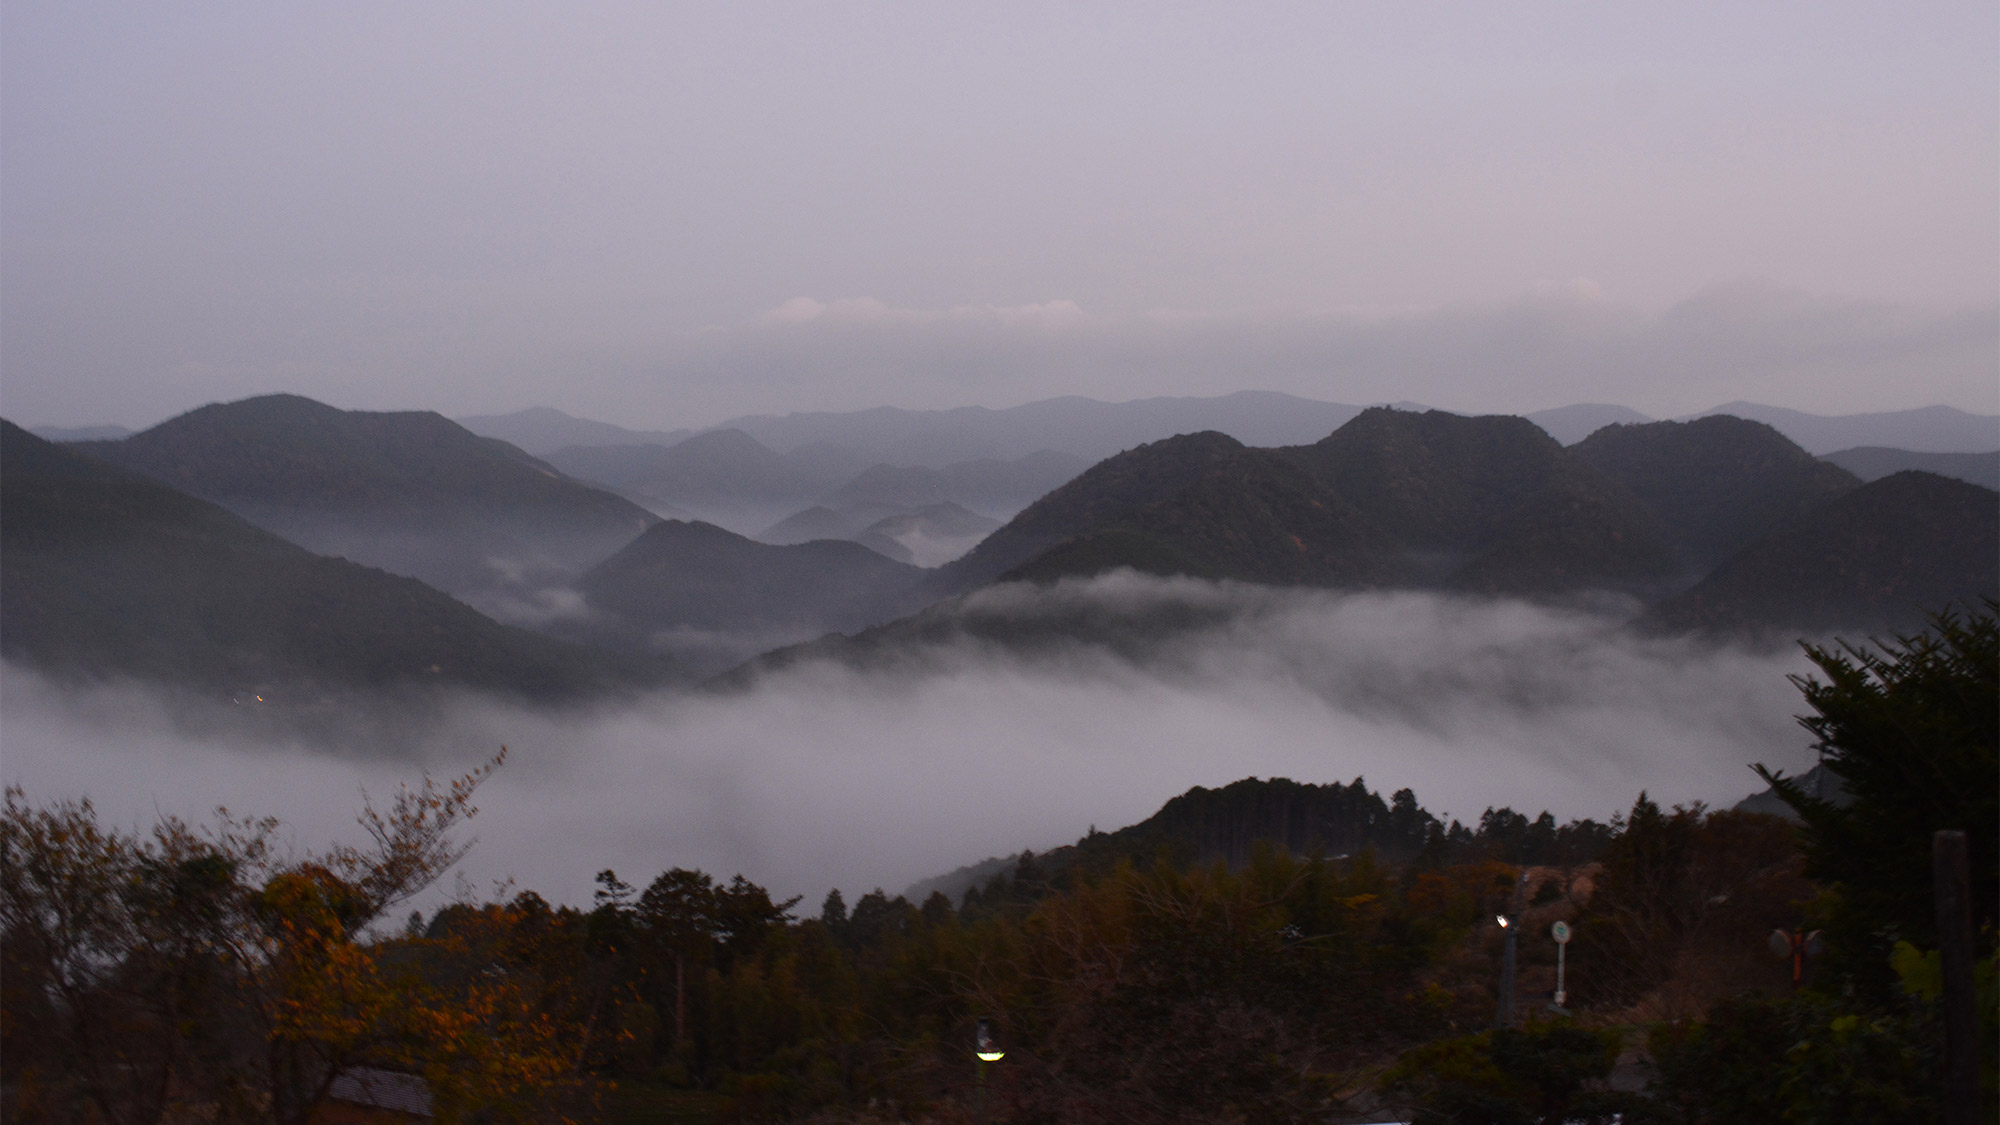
1911 727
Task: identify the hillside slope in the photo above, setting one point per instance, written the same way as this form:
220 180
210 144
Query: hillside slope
1873 462
1877 558
411 492
105 573
688 575
1715 483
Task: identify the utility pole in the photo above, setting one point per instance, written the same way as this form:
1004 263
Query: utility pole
1560 932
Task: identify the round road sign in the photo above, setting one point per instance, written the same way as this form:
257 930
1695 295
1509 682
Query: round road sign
1560 931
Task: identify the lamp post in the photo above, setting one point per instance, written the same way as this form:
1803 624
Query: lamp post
1503 1015
986 1051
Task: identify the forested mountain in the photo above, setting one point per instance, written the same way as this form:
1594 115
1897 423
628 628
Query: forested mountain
1876 558
1391 498
410 492
691 575
1715 483
1486 505
1230 824
1490 503
1199 504
105 573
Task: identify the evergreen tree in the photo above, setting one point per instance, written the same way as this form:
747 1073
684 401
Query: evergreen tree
1911 728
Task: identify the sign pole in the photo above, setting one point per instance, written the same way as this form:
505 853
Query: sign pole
1560 931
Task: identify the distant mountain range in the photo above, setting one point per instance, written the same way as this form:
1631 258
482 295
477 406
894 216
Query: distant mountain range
1094 430
541 430
1759 538
1719 523
1930 429
111 574
731 479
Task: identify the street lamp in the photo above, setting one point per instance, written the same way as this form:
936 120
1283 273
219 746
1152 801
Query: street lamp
986 1051
1503 1015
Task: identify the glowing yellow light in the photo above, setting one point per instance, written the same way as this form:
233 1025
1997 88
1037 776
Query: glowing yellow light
992 1056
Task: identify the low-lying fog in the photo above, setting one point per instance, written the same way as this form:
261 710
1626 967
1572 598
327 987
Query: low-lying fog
823 775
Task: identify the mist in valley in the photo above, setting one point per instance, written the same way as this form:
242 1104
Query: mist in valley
1100 699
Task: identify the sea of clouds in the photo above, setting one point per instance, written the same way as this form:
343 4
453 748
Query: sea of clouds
886 770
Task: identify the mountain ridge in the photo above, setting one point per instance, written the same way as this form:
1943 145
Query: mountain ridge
411 492
109 572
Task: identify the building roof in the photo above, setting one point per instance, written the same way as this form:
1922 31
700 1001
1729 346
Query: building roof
383 1089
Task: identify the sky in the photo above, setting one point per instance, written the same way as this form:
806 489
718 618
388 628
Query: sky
666 215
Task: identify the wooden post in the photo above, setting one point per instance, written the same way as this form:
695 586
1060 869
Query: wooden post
1952 888
680 998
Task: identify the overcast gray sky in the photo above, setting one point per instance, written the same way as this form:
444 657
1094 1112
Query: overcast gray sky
666 214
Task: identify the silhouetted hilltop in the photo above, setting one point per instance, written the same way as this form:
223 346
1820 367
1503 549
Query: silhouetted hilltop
1715 483
696 575
1488 503
1230 823
1873 462
1247 515
105 573
411 492
1877 558
1391 498
1103 497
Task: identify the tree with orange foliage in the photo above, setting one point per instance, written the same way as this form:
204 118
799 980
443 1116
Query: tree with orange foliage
195 970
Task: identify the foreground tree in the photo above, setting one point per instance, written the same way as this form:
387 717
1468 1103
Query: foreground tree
1912 730
195 968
